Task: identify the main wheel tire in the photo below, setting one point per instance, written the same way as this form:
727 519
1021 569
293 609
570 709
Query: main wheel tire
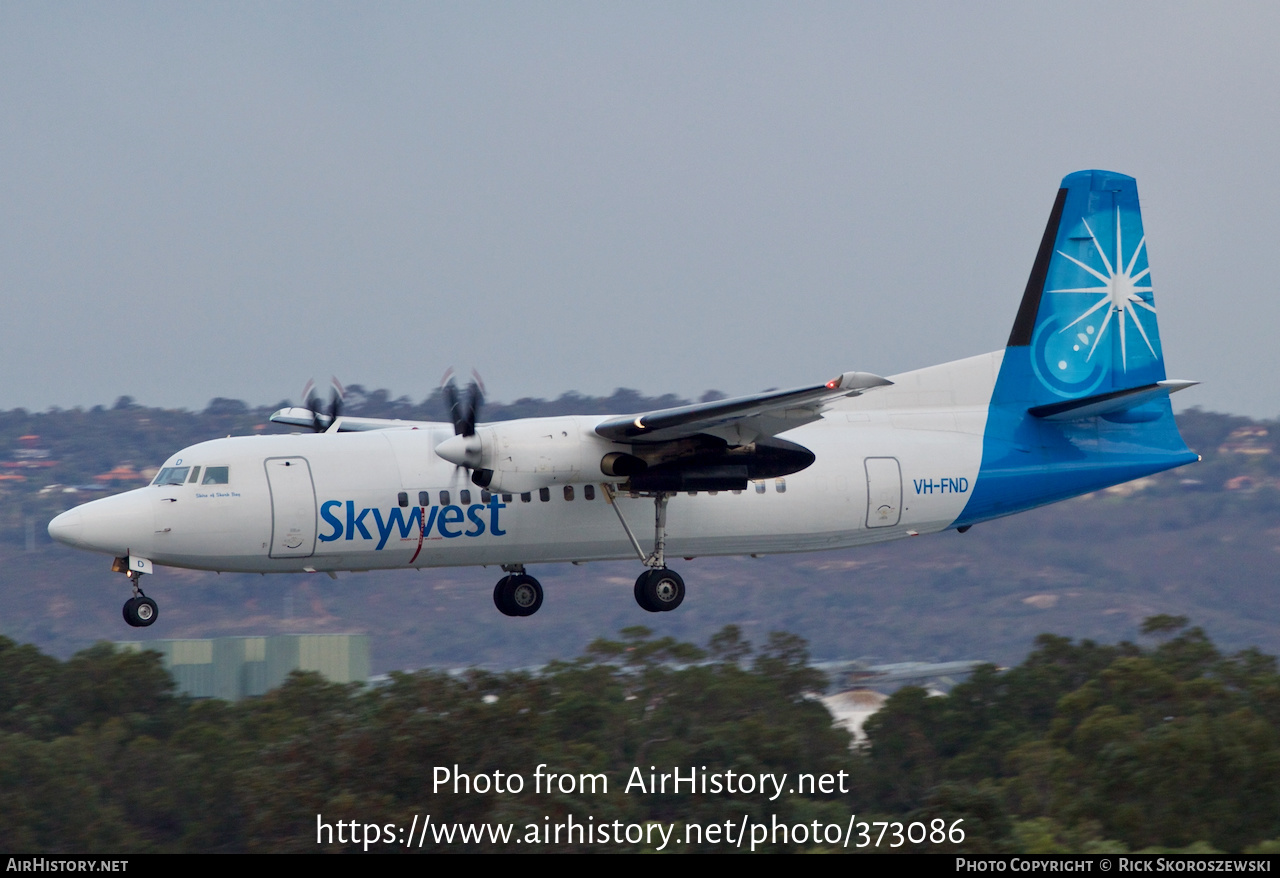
517 595
662 590
127 611
499 597
639 593
525 595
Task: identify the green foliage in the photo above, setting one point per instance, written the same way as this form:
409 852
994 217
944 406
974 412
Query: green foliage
1163 623
150 772
1165 748
1081 748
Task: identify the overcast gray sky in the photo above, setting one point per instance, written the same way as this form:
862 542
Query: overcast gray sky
225 199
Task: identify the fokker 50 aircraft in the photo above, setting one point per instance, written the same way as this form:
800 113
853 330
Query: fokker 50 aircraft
1076 401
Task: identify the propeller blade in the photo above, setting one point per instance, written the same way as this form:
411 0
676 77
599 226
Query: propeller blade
311 403
471 412
322 417
335 400
464 408
455 406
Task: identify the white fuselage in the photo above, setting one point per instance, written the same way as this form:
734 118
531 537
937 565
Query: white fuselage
896 462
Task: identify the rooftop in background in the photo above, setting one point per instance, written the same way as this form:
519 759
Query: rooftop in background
232 668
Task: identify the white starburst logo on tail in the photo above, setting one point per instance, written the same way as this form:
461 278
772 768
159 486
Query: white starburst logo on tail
1119 290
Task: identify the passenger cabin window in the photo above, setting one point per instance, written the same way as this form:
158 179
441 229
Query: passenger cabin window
568 492
444 498
424 499
526 497
759 487
544 494
172 475
464 497
484 496
780 485
506 498
588 492
195 475
403 498
216 475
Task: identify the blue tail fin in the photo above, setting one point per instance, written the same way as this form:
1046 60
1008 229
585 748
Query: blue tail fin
1081 400
1088 319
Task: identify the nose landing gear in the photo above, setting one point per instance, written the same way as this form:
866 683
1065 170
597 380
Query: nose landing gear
139 611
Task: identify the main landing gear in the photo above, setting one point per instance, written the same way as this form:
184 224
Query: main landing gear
517 593
659 588
139 611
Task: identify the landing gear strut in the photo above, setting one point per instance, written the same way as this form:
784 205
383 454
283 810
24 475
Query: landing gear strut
139 611
517 593
658 589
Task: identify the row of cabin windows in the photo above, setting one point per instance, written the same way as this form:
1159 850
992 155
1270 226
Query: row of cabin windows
544 494
464 496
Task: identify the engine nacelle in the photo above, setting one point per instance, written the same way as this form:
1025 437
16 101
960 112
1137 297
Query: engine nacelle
514 457
536 453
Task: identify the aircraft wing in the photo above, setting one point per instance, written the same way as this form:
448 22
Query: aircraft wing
743 419
304 417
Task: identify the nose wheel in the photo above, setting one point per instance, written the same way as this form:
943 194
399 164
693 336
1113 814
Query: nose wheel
140 611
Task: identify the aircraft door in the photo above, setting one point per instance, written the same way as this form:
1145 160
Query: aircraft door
884 491
293 507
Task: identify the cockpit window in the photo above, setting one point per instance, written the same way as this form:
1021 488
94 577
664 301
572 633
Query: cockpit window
216 475
172 475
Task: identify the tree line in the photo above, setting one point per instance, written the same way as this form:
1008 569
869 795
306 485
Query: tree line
1082 747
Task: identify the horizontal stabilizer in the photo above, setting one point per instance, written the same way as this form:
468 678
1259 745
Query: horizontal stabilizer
1109 403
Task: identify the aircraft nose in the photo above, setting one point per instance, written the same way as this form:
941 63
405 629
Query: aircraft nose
114 525
65 528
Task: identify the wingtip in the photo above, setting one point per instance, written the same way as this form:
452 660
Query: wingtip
859 381
294 416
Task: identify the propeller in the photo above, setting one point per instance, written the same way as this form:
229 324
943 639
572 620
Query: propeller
322 420
464 409
464 450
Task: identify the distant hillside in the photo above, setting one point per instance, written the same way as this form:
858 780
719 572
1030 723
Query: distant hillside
1202 542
